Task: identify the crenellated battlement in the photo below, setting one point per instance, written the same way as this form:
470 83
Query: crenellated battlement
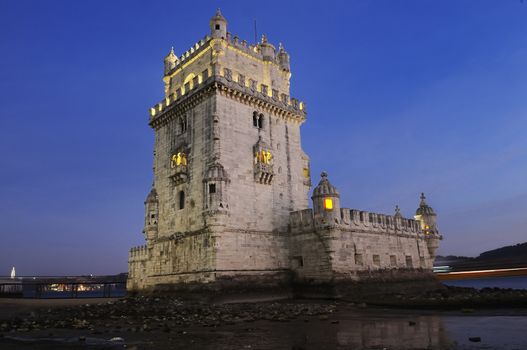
198 47
356 220
138 253
284 102
252 50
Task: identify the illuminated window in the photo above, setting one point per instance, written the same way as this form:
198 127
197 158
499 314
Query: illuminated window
328 203
263 156
306 173
181 199
178 159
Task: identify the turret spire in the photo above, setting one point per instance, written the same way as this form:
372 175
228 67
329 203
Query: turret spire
397 212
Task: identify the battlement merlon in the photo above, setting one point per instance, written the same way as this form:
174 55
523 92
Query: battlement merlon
287 108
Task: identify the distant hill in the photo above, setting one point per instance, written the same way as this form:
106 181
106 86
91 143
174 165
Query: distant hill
512 251
505 257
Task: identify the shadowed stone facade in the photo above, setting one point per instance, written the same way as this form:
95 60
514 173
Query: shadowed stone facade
231 181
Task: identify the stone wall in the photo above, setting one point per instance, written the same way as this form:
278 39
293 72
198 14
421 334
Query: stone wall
359 242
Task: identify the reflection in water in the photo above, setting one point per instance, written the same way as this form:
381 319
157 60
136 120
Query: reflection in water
347 329
366 332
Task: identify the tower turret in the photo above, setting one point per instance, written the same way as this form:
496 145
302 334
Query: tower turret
326 202
151 216
428 219
215 182
170 61
218 25
426 215
283 59
267 49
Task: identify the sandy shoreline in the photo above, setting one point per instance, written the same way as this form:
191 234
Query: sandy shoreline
295 324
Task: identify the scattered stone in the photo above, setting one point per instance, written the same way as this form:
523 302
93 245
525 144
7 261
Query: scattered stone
117 340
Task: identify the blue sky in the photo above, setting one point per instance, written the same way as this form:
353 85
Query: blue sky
403 97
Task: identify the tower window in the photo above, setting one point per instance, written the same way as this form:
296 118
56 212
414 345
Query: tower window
181 199
328 203
212 188
255 119
260 121
409 262
217 27
182 125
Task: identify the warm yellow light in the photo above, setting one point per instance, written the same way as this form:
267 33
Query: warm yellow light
263 156
328 203
178 159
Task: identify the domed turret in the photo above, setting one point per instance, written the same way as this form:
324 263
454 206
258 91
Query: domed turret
283 59
426 215
218 26
424 208
326 202
152 196
428 219
267 49
170 61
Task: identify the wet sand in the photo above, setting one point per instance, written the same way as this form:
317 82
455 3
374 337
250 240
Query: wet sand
344 326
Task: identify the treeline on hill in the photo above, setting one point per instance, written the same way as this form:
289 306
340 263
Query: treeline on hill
504 257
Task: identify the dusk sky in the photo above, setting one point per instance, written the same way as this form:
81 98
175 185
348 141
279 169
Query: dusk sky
403 97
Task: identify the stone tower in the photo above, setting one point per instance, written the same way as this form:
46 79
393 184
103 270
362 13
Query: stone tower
228 165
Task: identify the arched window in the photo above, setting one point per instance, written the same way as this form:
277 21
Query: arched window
255 119
260 121
181 199
182 124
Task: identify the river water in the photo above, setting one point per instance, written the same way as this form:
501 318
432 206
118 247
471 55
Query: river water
515 282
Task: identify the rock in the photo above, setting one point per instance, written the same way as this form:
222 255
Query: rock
117 340
475 339
362 305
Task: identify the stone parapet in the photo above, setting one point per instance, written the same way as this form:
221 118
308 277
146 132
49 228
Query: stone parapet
138 253
357 220
290 107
